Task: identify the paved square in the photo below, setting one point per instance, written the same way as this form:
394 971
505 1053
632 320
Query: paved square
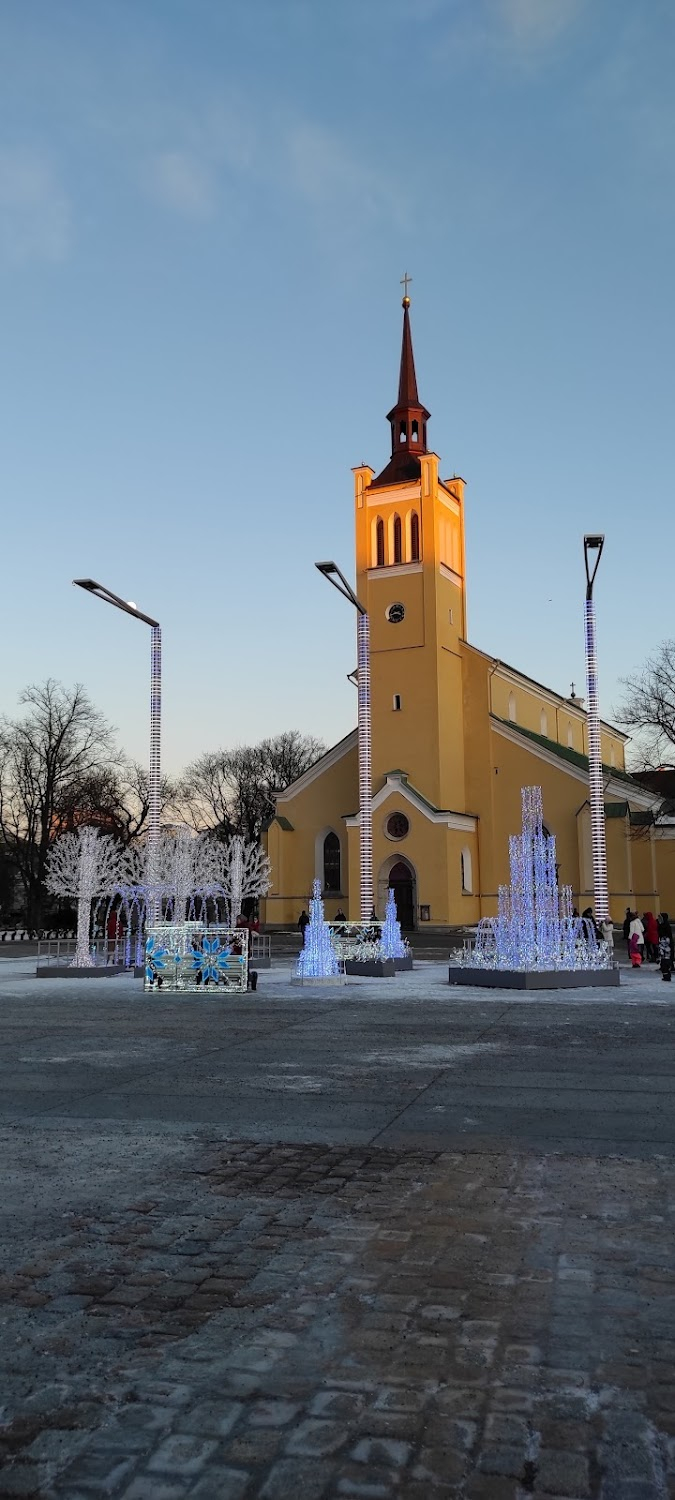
388 1239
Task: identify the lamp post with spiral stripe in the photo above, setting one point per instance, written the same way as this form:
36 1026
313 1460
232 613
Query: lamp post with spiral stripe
593 545
154 775
331 571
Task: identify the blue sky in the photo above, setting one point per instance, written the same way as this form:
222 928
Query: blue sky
205 210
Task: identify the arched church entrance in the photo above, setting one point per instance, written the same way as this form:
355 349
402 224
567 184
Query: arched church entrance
401 877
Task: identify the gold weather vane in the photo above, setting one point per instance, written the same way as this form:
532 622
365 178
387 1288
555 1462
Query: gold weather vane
405 281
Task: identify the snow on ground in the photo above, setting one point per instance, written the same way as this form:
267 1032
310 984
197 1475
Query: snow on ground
428 981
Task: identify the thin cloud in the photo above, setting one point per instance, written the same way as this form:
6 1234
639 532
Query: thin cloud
233 152
524 33
535 25
183 182
35 219
332 179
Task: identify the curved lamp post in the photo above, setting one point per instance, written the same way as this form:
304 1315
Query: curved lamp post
108 597
593 546
331 571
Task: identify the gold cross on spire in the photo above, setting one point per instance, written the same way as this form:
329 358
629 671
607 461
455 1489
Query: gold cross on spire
405 281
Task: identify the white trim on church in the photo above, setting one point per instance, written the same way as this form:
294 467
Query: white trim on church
396 785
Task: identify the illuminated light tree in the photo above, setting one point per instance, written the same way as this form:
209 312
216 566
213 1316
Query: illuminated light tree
83 865
181 869
391 943
317 959
236 871
534 928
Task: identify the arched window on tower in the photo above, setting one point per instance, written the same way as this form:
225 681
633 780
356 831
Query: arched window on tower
397 539
415 537
414 432
331 862
379 535
403 432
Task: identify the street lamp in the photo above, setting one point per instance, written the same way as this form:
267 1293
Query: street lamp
593 546
331 571
129 608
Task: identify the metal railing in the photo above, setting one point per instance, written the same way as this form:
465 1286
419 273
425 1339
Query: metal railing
25 935
260 946
103 952
122 951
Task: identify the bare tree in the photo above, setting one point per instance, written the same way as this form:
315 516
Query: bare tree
8 884
648 707
232 791
62 741
115 798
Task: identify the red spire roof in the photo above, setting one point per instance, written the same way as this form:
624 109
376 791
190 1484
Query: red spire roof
407 380
408 418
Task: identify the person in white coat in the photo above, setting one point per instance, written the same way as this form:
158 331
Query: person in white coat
607 930
636 929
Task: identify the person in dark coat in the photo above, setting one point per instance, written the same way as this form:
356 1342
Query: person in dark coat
666 949
590 923
626 926
303 922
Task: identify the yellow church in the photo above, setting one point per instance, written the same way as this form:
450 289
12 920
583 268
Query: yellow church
456 733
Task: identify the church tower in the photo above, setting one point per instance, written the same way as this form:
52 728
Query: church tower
411 577
456 733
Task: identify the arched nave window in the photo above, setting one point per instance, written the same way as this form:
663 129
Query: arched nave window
331 862
379 542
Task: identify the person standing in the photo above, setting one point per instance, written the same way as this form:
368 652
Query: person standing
303 922
607 934
590 924
651 937
626 927
635 950
636 930
666 947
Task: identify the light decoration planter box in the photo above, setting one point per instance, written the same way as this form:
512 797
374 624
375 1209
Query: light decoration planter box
193 958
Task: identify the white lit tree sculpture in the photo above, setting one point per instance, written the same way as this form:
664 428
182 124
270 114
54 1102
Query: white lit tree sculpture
238 870
181 869
83 865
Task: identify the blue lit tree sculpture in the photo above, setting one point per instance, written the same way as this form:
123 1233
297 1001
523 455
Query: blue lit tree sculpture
392 944
317 959
534 927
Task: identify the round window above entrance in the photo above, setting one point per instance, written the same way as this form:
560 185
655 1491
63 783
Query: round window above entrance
397 826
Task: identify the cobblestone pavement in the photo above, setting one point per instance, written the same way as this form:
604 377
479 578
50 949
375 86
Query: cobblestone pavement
184 1314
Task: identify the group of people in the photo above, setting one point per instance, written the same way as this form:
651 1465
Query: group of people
651 938
303 920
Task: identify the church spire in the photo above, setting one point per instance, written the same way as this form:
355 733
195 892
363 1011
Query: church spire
408 418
